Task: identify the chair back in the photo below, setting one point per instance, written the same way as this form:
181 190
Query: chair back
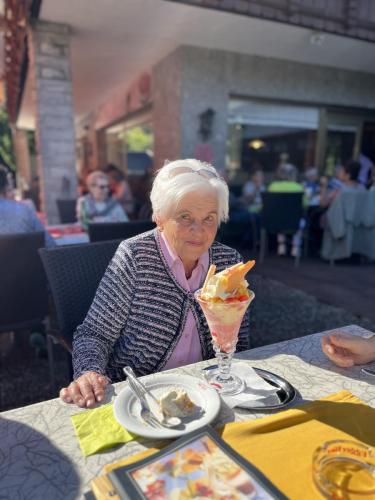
67 211
102 231
281 212
74 273
23 283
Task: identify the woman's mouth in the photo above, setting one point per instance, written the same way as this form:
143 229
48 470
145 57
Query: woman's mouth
195 243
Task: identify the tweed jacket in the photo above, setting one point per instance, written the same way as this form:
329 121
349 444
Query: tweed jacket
139 312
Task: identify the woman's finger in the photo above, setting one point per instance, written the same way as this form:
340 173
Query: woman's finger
86 389
98 383
76 395
65 396
103 380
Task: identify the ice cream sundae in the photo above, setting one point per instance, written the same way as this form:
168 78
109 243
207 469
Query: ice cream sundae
224 299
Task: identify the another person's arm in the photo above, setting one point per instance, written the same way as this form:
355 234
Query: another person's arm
326 196
36 225
347 350
95 338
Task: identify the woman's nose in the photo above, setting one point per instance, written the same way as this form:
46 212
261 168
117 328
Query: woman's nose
196 225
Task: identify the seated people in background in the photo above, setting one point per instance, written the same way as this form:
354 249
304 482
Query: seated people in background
348 177
347 350
287 183
311 186
98 206
143 314
366 168
120 189
16 217
251 191
372 180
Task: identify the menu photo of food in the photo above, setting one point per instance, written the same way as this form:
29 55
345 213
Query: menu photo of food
198 466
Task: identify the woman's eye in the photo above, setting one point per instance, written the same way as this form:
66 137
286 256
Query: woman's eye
209 219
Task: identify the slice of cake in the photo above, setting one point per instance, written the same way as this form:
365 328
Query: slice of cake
176 403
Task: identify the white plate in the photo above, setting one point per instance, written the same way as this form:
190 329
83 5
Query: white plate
127 407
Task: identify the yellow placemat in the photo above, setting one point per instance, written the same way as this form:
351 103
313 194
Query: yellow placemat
282 445
97 430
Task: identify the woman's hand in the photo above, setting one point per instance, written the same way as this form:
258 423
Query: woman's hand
348 350
86 390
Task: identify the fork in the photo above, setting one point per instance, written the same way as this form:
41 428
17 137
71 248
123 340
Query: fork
151 404
146 414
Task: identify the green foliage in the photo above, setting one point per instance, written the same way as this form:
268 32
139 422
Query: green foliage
138 139
6 143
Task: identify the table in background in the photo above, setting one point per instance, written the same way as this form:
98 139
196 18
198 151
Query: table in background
40 456
68 234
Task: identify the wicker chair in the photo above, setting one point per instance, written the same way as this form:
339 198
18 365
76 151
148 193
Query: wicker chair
102 231
74 273
67 211
23 290
281 212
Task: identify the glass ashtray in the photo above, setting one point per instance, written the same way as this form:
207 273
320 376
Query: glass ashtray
345 470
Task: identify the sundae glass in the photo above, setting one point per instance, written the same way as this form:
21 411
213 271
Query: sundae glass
224 299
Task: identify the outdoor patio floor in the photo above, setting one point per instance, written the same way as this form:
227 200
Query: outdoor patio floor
348 285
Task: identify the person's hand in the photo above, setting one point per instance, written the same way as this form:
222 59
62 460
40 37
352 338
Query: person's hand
348 350
86 390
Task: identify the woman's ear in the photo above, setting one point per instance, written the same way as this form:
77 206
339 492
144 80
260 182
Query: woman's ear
159 223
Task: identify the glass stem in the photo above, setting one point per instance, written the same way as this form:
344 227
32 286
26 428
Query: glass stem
224 360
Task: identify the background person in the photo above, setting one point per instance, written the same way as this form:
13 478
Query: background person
348 177
312 187
120 189
144 314
97 205
252 191
287 183
16 217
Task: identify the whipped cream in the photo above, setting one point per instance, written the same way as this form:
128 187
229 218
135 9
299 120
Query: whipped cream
216 288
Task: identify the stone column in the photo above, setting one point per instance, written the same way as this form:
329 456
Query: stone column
22 154
55 134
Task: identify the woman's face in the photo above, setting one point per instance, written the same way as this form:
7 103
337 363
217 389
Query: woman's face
192 227
100 189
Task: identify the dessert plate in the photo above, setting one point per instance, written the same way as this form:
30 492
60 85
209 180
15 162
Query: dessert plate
127 407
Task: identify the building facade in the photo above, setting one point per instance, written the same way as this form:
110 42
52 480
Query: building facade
294 83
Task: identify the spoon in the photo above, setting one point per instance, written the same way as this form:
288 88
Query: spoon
153 404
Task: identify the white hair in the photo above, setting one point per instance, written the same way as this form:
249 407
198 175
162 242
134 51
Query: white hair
168 188
95 176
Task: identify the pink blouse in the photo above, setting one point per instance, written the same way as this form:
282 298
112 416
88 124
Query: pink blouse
188 348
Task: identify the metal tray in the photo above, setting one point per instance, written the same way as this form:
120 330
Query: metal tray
286 393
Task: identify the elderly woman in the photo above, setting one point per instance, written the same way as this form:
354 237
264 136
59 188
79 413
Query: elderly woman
98 206
144 314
